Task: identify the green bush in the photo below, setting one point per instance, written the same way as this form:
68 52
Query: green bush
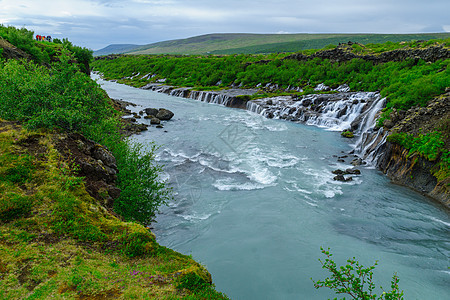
142 190
192 282
355 280
138 244
429 145
347 134
61 97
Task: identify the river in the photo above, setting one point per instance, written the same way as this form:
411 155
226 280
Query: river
255 200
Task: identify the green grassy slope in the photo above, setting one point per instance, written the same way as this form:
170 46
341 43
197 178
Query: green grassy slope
116 49
58 239
270 43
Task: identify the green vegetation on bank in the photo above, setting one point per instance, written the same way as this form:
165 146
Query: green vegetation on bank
55 239
431 146
405 83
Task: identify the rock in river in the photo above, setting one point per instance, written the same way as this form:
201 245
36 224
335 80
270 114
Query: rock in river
164 114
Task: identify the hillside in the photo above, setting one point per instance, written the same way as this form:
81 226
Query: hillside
116 49
74 216
237 43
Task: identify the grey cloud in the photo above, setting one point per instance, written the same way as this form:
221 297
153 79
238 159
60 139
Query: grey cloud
146 21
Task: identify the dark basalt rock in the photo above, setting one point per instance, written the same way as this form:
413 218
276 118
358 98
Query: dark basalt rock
164 114
342 178
151 111
353 171
346 172
96 164
155 121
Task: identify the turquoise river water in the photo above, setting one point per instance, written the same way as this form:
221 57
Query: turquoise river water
255 200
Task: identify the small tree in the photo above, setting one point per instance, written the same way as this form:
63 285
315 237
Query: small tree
355 280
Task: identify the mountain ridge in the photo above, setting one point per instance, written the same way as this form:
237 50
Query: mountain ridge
253 43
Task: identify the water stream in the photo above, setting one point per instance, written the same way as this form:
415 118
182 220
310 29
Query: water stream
256 199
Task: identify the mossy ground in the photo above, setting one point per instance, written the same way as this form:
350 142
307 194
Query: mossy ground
56 241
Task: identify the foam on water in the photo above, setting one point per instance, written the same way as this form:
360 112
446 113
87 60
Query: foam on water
229 184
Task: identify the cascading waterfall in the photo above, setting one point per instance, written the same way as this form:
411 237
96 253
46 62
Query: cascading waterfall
340 111
335 112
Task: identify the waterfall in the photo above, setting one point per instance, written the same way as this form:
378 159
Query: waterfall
340 111
335 112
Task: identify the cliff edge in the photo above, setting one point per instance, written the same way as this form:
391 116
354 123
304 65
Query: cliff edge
412 168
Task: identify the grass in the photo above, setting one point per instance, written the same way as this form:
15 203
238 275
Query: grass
56 241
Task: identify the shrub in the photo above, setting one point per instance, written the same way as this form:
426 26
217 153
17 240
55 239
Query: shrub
354 279
142 190
192 282
137 244
429 145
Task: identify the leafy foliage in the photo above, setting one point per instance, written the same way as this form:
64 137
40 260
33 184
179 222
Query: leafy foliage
44 52
192 282
429 145
405 83
142 191
63 98
354 279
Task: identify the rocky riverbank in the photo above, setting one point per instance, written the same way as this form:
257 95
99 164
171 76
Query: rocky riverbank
411 169
129 119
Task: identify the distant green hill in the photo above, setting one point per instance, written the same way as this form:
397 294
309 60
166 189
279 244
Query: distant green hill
115 49
232 43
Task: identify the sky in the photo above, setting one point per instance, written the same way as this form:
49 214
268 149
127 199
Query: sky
97 23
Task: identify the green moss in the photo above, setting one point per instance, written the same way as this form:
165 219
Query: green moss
14 206
347 134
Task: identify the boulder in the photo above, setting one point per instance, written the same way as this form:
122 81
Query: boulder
353 171
339 177
342 178
164 114
155 121
357 162
338 172
388 124
151 111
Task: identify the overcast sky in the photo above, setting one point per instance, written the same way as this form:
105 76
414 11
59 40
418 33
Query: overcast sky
98 23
